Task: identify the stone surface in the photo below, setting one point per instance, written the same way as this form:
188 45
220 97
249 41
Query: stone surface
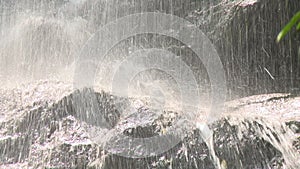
42 125
243 32
45 131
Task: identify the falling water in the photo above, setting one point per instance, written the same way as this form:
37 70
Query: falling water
41 41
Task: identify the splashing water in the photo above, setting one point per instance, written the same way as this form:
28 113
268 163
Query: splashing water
41 40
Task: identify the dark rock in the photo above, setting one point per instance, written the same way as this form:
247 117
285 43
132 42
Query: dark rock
249 51
294 125
53 135
242 31
46 125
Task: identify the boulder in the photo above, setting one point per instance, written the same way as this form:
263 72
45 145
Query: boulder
48 131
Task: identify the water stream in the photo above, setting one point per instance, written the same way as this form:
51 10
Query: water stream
42 40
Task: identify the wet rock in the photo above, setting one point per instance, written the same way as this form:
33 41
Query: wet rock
294 125
245 150
46 125
53 135
255 63
243 32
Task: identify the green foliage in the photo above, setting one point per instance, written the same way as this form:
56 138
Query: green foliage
294 21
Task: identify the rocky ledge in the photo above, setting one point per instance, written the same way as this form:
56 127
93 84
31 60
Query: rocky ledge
42 126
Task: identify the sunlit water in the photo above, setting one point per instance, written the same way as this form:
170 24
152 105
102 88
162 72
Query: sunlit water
41 40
